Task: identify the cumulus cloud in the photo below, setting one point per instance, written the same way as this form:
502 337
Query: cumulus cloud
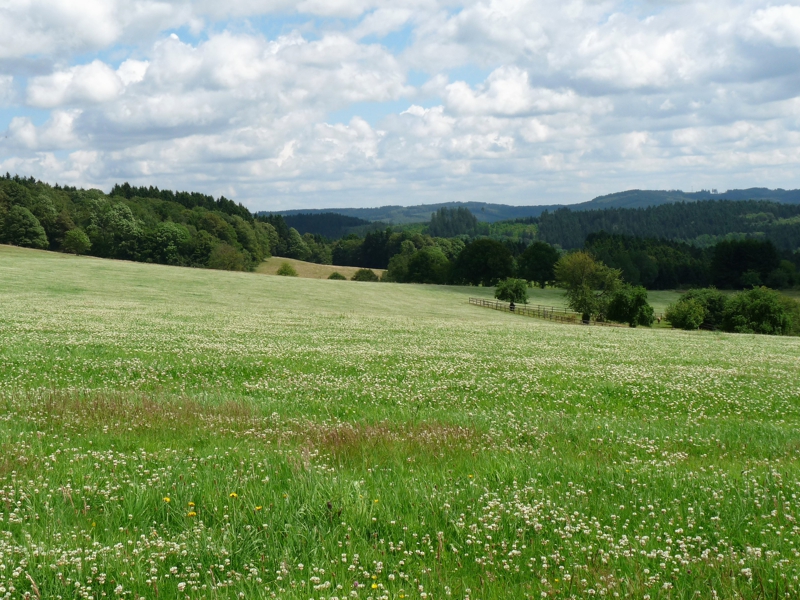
92 83
473 99
778 24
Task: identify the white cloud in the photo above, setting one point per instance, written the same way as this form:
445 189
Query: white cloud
58 132
544 101
92 83
778 24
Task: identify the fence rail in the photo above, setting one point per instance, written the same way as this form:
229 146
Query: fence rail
551 313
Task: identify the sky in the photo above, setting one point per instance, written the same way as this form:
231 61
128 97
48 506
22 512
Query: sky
349 103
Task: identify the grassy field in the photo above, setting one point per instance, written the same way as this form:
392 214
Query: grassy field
181 433
306 269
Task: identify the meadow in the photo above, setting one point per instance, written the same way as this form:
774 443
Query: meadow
183 433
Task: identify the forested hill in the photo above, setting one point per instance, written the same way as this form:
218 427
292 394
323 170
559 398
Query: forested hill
141 224
698 223
491 213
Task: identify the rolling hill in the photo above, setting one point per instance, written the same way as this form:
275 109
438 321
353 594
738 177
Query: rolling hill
490 213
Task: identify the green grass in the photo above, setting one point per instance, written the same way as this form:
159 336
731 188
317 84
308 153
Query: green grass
332 438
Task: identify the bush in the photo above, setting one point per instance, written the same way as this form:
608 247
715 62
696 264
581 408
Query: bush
364 275
512 290
707 304
759 310
337 276
686 314
629 305
713 301
287 270
76 242
226 258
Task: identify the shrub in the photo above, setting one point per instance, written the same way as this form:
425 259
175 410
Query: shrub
226 258
629 305
364 275
76 242
512 290
759 310
338 276
713 301
287 270
686 314
707 304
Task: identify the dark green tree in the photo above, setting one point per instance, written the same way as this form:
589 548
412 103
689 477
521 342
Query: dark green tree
21 228
483 262
76 242
452 222
743 263
512 290
537 264
589 284
686 314
713 302
226 258
398 264
629 305
428 265
759 310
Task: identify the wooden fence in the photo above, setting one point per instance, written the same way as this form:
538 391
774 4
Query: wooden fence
551 313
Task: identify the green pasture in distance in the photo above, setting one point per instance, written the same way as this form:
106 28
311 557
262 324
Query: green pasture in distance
174 433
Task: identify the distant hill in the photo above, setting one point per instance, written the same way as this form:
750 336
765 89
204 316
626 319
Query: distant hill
328 224
490 213
402 215
698 223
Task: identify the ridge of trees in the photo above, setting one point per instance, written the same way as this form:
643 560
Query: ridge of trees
191 229
700 223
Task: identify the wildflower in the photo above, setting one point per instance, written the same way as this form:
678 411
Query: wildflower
374 586
191 504
191 513
166 498
233 495
376 501
259 507
470 476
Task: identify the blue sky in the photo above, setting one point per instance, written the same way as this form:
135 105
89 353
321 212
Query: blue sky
324 103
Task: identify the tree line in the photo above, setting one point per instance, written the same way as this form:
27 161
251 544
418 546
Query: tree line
190 229
699 223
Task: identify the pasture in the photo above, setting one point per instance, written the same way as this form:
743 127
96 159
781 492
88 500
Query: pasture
182 433
307 269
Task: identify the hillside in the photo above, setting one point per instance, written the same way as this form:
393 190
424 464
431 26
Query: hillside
699 223
247 435
490 213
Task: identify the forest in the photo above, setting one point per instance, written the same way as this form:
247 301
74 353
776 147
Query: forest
728 244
